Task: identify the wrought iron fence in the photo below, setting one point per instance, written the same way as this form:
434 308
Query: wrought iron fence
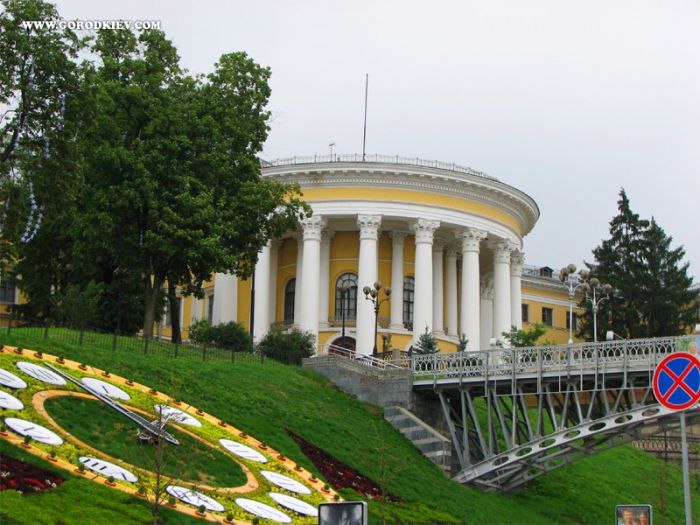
27 331
580 358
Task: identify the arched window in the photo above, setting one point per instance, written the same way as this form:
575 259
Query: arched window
289 290
349 304
408 287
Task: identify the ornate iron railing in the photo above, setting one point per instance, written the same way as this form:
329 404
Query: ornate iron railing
365 360
376 158
579 358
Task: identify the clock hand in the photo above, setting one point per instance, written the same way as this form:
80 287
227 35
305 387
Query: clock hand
151 428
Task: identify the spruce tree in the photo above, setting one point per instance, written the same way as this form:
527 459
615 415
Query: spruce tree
426 343
669 301
653 295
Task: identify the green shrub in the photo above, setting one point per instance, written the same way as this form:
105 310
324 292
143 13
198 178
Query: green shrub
521 338
289 347
426 343
225 335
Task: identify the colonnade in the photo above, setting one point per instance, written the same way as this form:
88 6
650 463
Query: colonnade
447 310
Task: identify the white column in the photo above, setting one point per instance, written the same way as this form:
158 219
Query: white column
397 246
486 310
311 269
297 283
366 276
501 286
438 298
423 292
451 269
470 301
324 293
272 301
261 308
516 271
225 299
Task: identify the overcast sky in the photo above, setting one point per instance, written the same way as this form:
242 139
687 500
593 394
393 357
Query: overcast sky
568 101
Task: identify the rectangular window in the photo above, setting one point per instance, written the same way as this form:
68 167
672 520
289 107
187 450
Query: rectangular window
547 316
525 313
7 290
210 308
574 318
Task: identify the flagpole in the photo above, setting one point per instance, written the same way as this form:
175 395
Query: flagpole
364 134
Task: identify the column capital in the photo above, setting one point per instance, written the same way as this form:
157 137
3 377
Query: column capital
439 244
275 243
487 287
424 230
326 236
312 227
502 249
517 259
470 239
397 237
369 226
450 250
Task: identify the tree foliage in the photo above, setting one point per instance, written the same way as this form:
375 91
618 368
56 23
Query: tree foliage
520 337
159 181
426 343
653 294
36 71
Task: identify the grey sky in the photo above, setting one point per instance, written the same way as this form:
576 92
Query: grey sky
568 101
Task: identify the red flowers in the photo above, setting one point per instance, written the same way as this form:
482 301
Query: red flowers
23 477
338 474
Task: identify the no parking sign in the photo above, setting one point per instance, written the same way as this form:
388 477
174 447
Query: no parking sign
677 386
677 381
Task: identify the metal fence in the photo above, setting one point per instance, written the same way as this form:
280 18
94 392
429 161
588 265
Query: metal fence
375 158
558 360
27 331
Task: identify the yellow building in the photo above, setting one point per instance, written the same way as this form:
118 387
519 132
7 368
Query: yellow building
447 240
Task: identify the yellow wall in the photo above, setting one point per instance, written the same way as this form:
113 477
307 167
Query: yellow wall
244 287
557 333
417 197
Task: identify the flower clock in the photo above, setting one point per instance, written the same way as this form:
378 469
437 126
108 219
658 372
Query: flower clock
132 438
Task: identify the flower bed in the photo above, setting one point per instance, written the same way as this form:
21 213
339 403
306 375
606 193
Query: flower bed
340 475
17 475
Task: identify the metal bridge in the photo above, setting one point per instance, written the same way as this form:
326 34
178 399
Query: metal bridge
515 414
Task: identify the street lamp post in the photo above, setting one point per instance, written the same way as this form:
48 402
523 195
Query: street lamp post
593 287
573 282
343 289
372 294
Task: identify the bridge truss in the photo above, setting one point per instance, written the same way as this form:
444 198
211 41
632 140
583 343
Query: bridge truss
515 414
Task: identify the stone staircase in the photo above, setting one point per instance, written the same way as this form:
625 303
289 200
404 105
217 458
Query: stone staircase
430 442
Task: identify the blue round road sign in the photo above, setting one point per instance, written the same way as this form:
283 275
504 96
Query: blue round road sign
677 381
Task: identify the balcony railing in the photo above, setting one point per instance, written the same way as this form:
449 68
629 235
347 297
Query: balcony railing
376 158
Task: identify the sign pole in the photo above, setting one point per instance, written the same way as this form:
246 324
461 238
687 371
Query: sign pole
686 478
676 386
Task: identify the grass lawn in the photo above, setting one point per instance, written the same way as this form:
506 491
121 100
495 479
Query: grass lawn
75 501
265 400
98 425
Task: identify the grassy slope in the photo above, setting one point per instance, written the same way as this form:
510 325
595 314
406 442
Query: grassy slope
76 501
264 400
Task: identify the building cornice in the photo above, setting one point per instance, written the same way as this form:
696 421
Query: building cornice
416 178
